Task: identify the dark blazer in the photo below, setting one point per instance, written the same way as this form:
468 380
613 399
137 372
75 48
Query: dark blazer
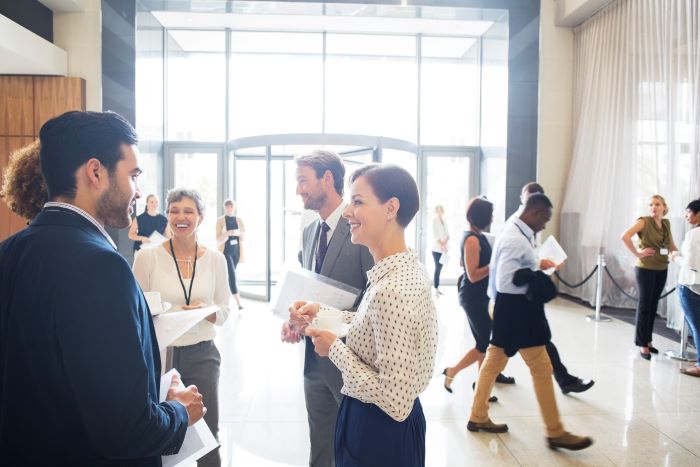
344 262
78 353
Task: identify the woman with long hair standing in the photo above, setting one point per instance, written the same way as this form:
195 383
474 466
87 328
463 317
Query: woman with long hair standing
149 221
441 237
388 357
655 246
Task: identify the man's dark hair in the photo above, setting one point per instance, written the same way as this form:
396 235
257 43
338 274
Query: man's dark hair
532 188
537 202
320 161
694 206
391 181
73 138
479 212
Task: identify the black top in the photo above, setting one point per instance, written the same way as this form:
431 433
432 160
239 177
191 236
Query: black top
148 224
479 287
232 224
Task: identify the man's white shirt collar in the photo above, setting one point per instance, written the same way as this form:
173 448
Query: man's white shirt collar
77 210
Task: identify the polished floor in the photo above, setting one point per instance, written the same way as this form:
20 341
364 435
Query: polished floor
639 413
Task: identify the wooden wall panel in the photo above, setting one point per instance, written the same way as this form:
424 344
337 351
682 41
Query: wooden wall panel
16 106
10 222
54 96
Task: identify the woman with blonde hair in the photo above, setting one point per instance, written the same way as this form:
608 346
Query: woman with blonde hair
651 268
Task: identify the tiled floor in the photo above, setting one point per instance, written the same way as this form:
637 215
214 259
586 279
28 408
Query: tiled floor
639 413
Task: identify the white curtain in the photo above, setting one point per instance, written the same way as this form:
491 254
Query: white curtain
636 117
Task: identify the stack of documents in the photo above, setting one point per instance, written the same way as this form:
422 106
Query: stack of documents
302 284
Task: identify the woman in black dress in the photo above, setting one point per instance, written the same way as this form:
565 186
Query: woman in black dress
230 232
148 222
473 285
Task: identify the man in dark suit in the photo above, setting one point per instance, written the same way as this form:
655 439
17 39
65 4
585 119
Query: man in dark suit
327 250
78 352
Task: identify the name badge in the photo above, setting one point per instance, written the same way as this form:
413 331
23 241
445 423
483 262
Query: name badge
233 241
663 251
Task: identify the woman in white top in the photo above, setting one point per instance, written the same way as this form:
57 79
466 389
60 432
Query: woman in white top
389 354
190 276
689 279
441 237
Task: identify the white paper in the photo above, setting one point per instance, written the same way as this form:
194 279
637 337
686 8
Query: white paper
155 239
302 284
444 259
173 324
552 251
198 439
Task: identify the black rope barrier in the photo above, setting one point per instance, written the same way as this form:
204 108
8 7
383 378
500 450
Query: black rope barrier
631 297
573 286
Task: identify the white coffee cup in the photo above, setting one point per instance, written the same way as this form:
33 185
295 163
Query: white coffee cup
154 302
328 320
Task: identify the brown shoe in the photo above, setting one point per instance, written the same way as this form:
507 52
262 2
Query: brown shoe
570 442
488 426
691 371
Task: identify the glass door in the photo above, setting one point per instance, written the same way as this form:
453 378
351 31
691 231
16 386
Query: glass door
199 167
250 188
451 179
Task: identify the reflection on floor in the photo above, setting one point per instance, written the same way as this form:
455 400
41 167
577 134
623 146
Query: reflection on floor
639 413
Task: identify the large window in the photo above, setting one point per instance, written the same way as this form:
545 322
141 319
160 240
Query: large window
450 91
276 83
371 85
196 82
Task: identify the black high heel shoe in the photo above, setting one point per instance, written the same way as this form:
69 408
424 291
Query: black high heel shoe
448 381
645 356
652 349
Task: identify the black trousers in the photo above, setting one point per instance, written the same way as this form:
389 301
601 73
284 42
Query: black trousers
650 285
561 374
438 268
233 255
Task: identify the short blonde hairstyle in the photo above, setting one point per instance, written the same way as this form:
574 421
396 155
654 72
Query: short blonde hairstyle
661 200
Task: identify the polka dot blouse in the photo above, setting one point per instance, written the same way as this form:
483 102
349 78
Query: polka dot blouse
389 354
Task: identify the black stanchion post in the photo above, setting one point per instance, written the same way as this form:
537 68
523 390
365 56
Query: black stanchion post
597 317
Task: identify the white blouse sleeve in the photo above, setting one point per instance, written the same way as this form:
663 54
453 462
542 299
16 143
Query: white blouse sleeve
143 265
394 328
222 292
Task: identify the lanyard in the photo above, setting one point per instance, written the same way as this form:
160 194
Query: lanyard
524 234
187 295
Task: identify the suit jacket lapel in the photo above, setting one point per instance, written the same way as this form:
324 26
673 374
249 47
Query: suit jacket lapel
342 230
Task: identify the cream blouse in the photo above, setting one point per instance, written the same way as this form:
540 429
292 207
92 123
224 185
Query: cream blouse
389 354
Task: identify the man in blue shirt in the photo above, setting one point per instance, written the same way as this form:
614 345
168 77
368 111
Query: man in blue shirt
78 353
519 325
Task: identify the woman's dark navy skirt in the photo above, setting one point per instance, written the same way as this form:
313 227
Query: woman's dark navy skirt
366 436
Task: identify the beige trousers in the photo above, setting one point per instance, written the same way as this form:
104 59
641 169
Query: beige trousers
540 366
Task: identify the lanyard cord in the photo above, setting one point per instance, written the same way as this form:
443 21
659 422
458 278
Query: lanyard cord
188 296
524 234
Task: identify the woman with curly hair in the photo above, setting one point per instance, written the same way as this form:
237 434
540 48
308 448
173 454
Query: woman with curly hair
23 186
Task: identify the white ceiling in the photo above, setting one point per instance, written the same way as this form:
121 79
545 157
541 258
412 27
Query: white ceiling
306 23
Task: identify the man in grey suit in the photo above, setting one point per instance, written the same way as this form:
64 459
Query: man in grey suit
326 250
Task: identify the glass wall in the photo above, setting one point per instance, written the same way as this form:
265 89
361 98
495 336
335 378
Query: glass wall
276 83
371 85
196 83
450 91
423 88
